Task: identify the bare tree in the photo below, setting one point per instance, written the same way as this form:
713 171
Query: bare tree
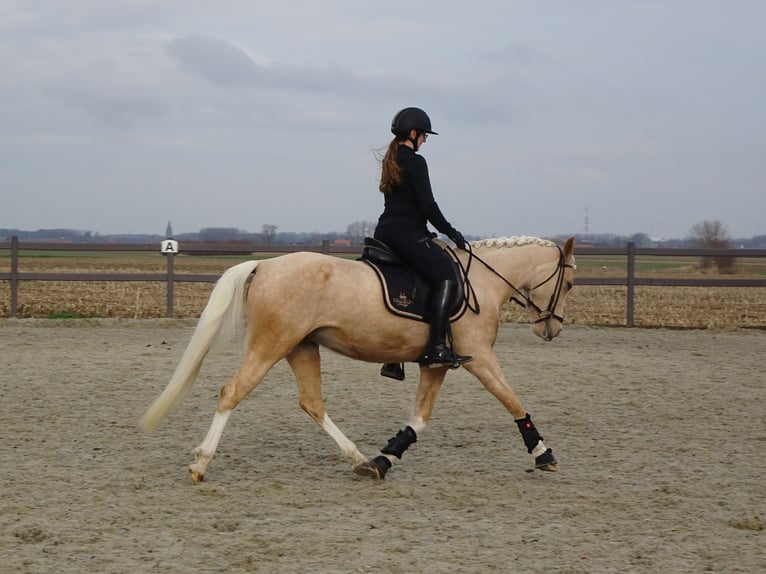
712 235
358 230
269 233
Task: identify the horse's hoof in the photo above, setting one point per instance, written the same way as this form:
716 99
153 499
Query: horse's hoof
546 461
196 475
374 468
366 468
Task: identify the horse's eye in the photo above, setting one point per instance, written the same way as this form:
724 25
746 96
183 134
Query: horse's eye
569 285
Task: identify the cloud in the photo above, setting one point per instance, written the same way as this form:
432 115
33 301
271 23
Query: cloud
188 96
115 88
474 97
110 103
217 61
227 66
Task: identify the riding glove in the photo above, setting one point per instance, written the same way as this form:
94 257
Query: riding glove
459 240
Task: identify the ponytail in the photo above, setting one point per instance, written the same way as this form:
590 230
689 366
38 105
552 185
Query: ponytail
390 176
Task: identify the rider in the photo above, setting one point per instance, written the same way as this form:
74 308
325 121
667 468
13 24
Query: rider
409 206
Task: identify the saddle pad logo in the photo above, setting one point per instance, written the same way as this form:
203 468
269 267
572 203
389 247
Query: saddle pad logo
402 300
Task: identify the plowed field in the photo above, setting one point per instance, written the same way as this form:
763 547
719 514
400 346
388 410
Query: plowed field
676 307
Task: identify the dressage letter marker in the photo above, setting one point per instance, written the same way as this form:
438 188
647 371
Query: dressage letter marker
169 246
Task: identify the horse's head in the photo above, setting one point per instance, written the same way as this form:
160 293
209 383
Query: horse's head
536 280
547 294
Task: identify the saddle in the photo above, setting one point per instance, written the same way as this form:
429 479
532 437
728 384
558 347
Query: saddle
405 292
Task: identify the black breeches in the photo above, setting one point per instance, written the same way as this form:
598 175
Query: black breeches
415 247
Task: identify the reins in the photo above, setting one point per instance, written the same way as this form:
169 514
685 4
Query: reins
469 292
525 299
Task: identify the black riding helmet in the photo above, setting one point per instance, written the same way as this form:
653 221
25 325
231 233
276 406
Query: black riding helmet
411 119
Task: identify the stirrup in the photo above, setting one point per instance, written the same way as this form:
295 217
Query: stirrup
393 371
442 356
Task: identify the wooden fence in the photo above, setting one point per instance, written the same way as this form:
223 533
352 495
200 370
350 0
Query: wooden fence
630 252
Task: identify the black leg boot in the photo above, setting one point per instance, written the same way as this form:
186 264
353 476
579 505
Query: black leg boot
438 354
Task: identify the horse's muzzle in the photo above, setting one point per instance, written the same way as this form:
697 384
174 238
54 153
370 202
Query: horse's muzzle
547 328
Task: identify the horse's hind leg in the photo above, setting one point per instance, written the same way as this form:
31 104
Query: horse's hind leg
305 363
252 371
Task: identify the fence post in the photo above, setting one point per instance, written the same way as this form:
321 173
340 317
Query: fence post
169 313
169 247
325 246
631 280
14 275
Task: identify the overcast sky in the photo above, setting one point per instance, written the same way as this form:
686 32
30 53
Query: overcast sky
555 117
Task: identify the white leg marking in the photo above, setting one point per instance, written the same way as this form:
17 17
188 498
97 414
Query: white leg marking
208 446
539 449
418 424
346 446
203 454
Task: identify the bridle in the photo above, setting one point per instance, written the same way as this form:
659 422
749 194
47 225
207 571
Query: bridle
555 295
525 300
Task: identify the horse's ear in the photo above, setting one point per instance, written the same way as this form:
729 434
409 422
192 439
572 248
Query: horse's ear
568 248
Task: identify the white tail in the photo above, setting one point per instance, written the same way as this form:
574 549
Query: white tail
224 311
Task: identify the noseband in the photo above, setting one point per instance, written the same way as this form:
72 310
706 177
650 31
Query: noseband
525 300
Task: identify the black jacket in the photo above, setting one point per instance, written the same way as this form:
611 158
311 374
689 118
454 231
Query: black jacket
412 203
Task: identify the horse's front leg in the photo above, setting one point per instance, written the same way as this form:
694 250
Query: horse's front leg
487 370
430 384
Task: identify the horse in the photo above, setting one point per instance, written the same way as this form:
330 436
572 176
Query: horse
292 305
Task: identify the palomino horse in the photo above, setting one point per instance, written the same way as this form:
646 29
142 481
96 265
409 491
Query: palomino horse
295 303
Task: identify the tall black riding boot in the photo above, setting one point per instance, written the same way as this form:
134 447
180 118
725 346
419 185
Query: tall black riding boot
438 354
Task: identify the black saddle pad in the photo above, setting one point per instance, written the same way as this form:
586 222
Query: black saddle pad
406 293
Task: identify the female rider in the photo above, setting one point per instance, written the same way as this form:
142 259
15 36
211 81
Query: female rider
409 206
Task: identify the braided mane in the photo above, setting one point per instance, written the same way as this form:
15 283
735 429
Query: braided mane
515 241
